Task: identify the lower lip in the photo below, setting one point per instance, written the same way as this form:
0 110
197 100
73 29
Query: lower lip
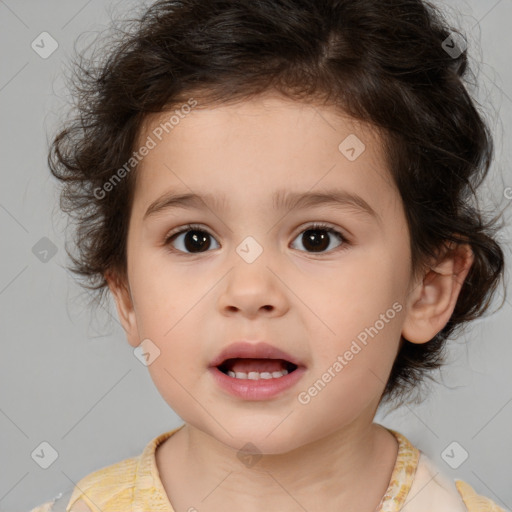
261 389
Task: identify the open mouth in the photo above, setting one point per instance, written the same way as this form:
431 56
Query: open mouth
256 369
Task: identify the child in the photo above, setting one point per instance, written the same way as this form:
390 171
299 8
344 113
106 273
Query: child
321 157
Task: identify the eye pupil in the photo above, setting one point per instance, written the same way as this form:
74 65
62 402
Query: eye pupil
194 239
317 238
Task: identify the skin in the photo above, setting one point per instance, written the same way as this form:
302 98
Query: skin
309 304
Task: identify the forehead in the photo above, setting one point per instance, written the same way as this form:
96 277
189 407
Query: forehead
252 152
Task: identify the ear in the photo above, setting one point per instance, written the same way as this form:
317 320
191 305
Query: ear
431 303
120 290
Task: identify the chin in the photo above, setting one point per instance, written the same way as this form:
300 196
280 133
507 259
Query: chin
256 441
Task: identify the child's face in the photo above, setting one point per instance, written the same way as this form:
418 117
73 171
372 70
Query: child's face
312 305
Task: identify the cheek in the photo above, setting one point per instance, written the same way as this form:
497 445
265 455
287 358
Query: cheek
356 300
177 367
164 296
364 316
338 397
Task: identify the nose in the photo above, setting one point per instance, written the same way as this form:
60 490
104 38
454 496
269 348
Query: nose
252 289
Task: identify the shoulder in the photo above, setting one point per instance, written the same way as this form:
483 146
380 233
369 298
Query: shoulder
433 490
51 506
96 488
113 487
60 504
475 502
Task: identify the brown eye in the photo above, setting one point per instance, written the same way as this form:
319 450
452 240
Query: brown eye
318 238
192 240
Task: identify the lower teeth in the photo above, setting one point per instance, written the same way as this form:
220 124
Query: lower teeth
257 375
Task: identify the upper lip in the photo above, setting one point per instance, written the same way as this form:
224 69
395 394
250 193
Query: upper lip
259 350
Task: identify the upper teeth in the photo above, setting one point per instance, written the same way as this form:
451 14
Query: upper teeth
257 375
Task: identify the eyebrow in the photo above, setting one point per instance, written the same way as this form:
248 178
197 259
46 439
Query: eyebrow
281 199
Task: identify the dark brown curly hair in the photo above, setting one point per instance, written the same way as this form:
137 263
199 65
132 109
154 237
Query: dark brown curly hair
384 62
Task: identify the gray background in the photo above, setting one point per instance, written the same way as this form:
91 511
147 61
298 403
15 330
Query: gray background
70 378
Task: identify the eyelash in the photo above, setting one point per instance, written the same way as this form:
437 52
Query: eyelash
315 226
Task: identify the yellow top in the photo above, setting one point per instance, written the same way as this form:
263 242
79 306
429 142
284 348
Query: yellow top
134 485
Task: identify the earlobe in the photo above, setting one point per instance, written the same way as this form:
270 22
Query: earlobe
430 305
124 305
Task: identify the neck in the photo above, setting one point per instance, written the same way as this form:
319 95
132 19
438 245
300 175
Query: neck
349 469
